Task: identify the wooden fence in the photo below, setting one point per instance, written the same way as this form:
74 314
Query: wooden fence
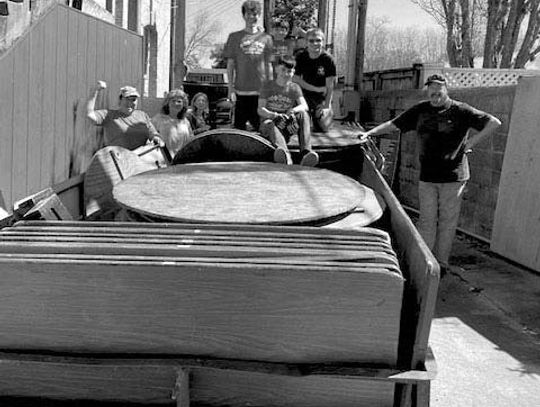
46 77
414 77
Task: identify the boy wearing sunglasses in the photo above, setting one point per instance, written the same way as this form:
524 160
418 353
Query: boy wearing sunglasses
316 75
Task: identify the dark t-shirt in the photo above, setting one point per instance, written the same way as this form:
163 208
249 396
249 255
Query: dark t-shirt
314 71
442 133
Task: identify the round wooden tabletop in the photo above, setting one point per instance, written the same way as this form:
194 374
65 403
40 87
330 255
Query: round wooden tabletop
243 193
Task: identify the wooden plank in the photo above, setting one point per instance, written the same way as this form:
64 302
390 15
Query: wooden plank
269 313
49 208
213 383
62 100
181 392
269 245
50 89
420 269
20 119
516 228
36 107
83 141
72 100
6 124
253 230
200 237
108 166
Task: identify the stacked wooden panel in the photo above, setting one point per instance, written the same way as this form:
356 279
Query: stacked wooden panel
265 294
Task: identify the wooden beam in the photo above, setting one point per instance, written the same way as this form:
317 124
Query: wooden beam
360 43
351 44
185 365
269 6
177 48
181 388
323 16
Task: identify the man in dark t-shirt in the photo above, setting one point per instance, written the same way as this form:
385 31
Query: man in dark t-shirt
316 75
442 126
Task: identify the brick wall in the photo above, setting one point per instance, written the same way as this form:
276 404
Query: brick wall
486 160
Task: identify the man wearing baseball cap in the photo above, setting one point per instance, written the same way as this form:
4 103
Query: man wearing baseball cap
442 129
126 126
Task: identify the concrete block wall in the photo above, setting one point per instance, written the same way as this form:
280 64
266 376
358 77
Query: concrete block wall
486 160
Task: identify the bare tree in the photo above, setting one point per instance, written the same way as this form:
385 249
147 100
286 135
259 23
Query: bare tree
390 47
510 30
463 21
506 44
201 35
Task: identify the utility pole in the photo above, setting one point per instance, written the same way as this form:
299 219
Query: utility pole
323 16
268 10
177 47
356 36
351 45
360 44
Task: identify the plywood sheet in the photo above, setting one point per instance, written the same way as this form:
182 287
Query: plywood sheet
261 312
243 192
516 228
153 382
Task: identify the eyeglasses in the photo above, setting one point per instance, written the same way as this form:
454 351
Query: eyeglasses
315 40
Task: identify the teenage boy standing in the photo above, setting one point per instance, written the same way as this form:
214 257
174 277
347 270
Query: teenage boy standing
249 54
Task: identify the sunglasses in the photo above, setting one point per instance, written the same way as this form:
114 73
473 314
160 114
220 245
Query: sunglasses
315 40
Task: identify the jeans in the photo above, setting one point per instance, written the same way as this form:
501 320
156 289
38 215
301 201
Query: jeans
272 133
440 204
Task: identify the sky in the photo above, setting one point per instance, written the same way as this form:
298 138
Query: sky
402 13
399 12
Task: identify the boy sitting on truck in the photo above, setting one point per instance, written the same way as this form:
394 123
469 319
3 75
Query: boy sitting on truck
284 112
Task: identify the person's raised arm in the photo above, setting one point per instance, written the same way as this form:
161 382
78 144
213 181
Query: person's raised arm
91 102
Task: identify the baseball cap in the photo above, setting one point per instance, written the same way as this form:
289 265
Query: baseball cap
127 91
435 78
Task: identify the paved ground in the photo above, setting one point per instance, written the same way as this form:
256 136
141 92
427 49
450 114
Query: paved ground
486 333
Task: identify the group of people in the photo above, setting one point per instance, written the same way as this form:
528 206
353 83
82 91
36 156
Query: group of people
173 127
298 99
277 93
290 101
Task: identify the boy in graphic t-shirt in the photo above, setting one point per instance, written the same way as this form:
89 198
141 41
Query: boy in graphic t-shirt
283 110
248 53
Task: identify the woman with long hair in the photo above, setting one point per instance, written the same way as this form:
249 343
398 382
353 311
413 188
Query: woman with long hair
171 122
198 113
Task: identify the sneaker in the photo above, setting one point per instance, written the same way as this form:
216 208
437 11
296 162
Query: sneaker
281 156
310 159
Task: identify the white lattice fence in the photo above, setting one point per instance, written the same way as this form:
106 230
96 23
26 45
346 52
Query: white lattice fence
467 78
